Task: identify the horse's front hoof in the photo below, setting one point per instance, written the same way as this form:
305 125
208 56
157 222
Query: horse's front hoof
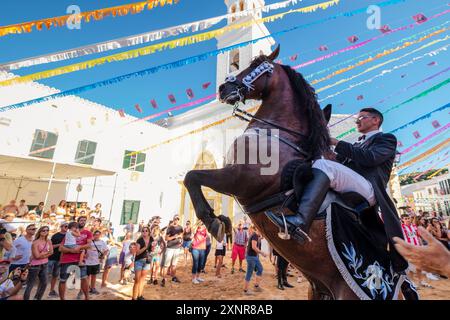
217 230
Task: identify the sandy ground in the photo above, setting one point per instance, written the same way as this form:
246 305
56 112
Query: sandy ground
229 287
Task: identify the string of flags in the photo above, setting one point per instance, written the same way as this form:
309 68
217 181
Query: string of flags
87 16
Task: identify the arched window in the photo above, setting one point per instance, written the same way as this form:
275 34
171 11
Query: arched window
234 60
241 5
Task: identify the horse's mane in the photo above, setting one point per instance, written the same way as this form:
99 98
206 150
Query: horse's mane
318 142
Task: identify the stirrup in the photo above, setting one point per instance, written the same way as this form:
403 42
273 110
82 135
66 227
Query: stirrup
283 235
303 233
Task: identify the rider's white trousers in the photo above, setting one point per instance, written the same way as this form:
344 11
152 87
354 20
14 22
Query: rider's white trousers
344 179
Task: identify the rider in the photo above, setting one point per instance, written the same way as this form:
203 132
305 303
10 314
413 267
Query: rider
363 167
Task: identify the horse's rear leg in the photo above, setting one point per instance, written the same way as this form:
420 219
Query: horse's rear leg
220 180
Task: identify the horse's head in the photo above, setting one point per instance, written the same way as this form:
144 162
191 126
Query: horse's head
252 83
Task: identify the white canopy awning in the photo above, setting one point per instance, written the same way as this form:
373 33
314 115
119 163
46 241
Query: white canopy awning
36 168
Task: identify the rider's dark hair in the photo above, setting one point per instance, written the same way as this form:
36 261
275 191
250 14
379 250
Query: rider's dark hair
318 142
374 112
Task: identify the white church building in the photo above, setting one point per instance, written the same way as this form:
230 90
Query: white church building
74 149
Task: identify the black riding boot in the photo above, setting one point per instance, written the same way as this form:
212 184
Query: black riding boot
280 279
313 195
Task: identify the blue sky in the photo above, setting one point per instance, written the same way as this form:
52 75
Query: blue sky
305 42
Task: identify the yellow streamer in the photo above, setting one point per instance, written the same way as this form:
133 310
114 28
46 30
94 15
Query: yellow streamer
425 154
195 131
86 16
158 47
384 63
378 56
445 167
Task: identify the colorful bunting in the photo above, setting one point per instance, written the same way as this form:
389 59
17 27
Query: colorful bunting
180 42
98 14
435 124
190 93
420 18
360 97
153 103
121 112
373 52
380 55
399 144
384 72
416 134
138 108
423 117
323 48
294 57
433 63
427 138
172 98
206 85
139 38
352 39
385 29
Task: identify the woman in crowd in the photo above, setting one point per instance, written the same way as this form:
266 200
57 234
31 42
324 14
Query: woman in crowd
207 251
219 254
141 263
61 209
97 212
198 252
125 250
435 228
157 248
253 263
41 249
187 239
112 258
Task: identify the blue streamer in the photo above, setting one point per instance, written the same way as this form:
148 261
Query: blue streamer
421 118
182 62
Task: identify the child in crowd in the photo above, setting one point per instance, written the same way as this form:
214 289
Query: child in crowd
72 234
128 263
219 254
157 248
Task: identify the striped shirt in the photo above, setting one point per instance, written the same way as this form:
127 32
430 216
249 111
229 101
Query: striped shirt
410 233
240 237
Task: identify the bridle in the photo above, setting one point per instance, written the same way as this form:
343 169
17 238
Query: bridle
245 86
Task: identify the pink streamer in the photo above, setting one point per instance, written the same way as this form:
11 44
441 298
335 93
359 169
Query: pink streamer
395 93
182 106
418 176
359 45
426 138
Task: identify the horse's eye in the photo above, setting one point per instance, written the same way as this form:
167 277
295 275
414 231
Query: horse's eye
230 79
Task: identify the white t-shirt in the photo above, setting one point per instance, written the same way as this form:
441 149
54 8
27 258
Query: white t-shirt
92 253
71 240
128 259
23 248
220 245
22 211
4 287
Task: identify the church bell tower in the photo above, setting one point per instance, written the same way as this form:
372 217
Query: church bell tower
236 60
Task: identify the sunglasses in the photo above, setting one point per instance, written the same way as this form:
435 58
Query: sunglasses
45 230
359 119
32 229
